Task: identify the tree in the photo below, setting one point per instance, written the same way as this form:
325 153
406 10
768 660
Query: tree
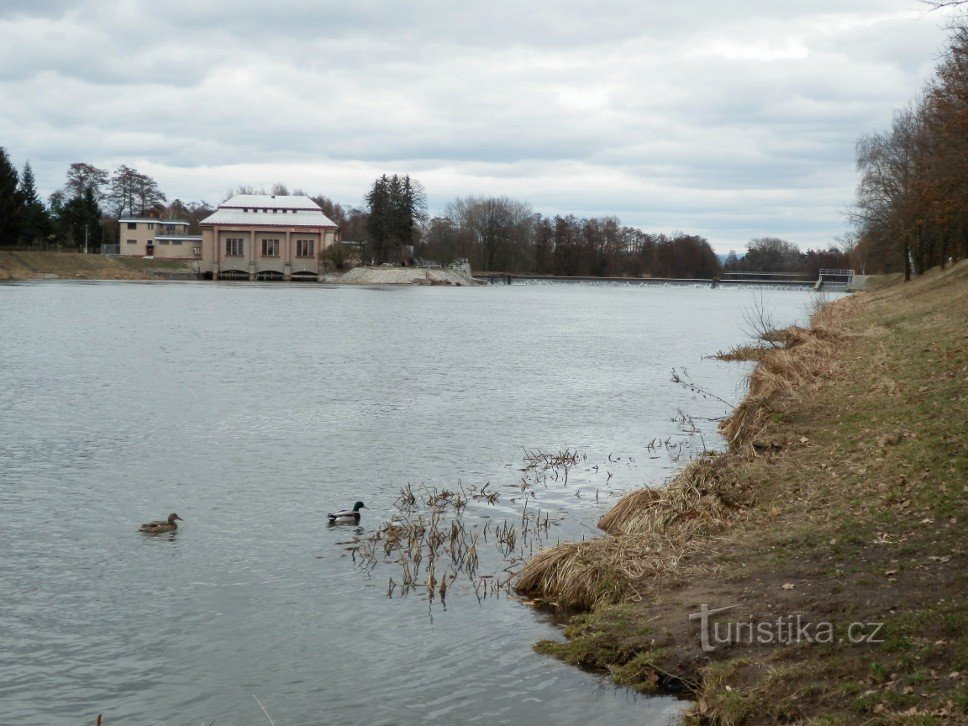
395 205
133 193
147 194
11 203
81 220
771 254
499 229
331 209
912 195
35 220
82 176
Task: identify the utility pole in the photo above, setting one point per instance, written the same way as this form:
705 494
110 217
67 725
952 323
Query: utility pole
85 238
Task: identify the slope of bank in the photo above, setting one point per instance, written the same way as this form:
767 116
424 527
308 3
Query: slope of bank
402 276
76 266
831 532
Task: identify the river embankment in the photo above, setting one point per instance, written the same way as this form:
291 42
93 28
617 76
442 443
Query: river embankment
829 536
33 265
387 275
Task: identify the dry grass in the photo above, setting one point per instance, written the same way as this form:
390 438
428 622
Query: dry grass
586 575
73 265
651 527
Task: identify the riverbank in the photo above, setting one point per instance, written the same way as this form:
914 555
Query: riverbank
840 501
77 266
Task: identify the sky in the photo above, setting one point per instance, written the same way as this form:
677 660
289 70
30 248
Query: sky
730 119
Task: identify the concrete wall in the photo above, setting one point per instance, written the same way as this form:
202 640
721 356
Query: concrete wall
178 249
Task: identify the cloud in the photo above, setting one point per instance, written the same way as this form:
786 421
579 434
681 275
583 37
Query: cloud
733 120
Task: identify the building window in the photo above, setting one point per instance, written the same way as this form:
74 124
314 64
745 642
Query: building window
176 241
132 241
162 241
196 250
150 226
270 248
132 225
304 248
234 247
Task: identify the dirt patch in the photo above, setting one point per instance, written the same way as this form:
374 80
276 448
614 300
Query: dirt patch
842 500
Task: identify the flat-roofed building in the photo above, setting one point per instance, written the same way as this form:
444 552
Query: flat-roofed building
160 238
260 236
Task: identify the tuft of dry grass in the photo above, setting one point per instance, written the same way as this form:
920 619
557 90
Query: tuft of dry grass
586 575
781 373
650 528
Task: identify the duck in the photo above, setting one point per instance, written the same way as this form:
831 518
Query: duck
161 525
347 515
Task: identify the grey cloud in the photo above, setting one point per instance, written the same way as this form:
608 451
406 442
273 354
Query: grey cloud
731 118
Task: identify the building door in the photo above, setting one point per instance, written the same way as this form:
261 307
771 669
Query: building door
149 250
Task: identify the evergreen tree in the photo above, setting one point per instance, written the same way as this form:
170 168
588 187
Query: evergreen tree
81 219
395 206
36 222
11 208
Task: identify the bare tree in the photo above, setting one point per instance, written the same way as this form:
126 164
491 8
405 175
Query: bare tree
81 177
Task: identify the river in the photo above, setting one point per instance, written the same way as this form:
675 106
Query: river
252 410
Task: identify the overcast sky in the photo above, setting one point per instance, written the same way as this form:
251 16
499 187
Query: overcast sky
729 119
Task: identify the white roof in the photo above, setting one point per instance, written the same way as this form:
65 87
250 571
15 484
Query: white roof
155 221
267 210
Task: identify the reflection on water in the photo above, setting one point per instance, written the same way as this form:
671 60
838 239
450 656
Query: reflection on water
252 411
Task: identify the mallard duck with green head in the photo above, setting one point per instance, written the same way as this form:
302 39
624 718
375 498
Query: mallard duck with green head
347 516
161 525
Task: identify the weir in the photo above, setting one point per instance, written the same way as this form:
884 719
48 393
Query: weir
833 280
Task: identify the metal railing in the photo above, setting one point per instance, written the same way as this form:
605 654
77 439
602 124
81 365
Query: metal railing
844 275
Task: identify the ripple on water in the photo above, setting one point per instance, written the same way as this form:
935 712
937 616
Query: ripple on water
252 411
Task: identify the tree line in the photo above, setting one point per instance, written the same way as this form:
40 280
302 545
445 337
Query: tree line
497 234
500 234
84 212
911 210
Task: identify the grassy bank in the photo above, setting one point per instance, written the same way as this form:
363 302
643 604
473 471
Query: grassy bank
841 500
76 266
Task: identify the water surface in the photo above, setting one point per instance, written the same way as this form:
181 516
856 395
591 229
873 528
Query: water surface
252 410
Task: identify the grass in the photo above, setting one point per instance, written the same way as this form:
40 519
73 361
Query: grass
842 498
73 265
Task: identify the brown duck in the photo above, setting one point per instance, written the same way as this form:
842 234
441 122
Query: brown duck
161 525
